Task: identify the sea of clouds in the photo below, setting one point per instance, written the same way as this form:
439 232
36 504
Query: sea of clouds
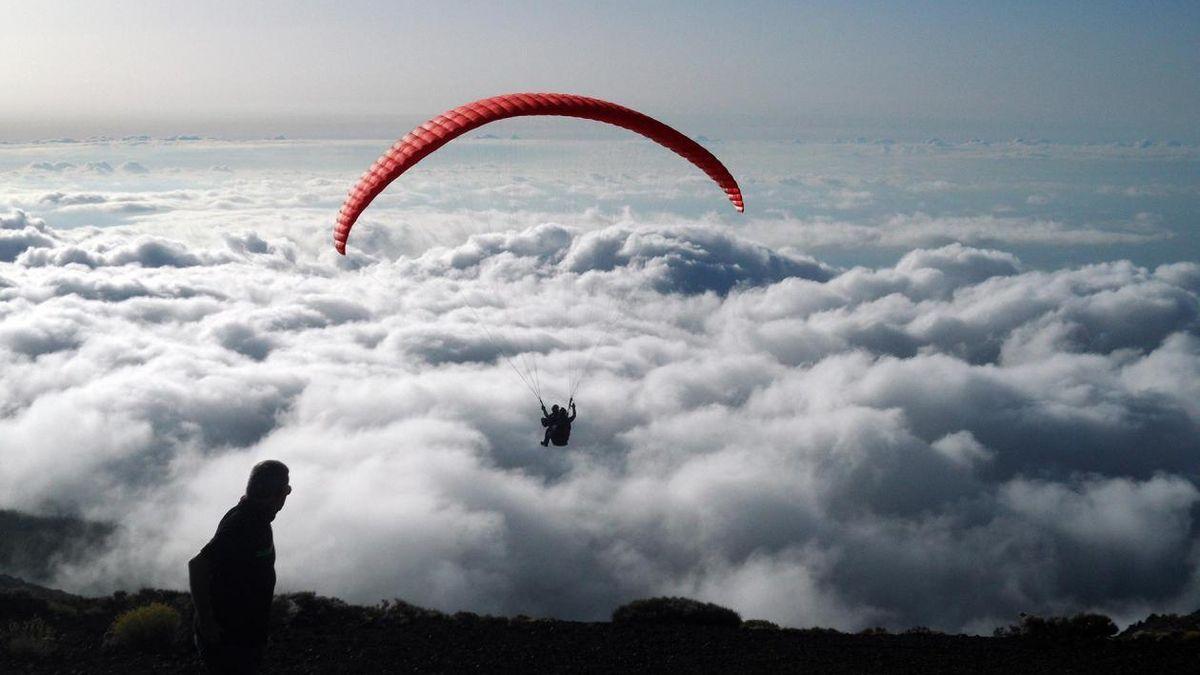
946 435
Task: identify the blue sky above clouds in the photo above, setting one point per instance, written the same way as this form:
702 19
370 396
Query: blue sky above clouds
943 370
1097 71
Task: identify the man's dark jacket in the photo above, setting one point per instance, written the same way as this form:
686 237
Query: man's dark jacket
242 556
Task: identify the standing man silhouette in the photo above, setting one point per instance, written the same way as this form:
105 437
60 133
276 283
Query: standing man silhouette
233 577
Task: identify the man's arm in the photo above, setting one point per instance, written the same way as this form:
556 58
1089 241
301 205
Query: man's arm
200 580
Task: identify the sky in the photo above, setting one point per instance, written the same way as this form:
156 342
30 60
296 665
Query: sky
942 371
1096 71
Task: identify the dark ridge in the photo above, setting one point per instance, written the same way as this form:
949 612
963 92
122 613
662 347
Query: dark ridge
63 633
13 585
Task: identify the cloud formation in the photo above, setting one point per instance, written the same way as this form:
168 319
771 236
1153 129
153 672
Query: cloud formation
834 200
944 441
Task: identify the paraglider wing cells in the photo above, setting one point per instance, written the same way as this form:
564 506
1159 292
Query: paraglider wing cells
435 133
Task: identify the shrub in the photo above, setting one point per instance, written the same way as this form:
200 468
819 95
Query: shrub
145 628
760 624
817 631
1165 627
874 630
309 610
675 611
283 609
33 637
1078 627
467 617
404 612
62 609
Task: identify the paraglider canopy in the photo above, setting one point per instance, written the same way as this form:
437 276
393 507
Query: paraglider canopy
440 130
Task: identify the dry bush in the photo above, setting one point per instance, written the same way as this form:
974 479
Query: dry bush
147 628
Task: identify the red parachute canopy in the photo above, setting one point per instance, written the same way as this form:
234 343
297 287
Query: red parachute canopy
451 124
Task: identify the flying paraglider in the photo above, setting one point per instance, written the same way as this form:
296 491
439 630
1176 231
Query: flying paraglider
428 137
558 424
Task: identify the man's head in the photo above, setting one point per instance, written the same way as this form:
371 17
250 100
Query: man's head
268 485
554 408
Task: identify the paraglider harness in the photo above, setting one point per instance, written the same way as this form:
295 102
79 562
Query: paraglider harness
560 424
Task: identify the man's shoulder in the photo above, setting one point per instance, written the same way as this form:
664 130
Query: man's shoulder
239 531
233 517
241 519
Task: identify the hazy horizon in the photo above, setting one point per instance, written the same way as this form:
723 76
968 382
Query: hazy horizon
1076 71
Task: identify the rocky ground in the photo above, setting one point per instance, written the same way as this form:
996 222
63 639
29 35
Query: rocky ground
323 635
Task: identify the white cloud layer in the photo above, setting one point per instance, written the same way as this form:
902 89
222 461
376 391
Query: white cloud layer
946 441
841 200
